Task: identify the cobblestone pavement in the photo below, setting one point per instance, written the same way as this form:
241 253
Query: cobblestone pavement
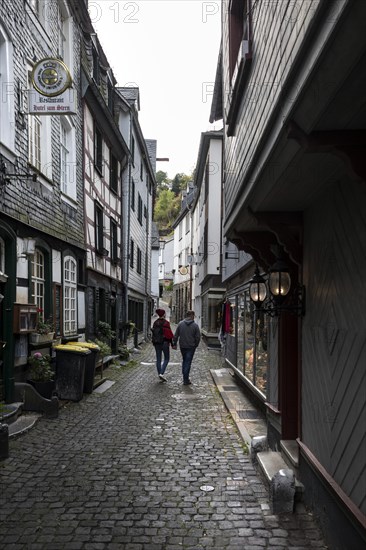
131 468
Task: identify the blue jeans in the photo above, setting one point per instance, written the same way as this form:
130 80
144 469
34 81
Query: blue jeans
187 354
162 349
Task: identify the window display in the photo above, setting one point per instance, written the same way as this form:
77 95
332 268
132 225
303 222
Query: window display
252 338
211 312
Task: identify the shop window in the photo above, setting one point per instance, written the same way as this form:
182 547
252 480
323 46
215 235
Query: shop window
252 342
212 312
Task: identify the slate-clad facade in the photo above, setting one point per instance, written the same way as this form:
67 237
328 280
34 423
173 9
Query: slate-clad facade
289 90
49 211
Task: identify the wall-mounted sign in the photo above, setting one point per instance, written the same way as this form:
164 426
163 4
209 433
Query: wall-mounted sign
50 77
63 104
51 92
183 270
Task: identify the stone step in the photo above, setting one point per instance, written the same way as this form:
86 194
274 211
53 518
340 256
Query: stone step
290 451
271 462
24 423
10 412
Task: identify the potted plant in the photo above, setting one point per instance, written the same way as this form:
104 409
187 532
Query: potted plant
105 332
44 330
124 352
40 374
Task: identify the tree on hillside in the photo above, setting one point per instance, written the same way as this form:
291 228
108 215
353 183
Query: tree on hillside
179 183
161 177
167 208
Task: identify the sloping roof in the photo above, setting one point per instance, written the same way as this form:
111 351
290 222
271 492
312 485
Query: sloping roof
151 149
132 95
216 105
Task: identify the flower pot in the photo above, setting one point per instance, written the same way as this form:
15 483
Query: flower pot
44 389
37 338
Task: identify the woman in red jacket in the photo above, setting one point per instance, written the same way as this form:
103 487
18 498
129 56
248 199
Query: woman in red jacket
162 337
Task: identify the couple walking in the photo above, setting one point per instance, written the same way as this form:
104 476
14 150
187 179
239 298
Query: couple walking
187 334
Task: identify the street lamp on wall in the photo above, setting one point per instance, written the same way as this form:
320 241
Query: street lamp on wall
280 297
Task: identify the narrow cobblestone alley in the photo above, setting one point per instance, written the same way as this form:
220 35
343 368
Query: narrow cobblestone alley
132 468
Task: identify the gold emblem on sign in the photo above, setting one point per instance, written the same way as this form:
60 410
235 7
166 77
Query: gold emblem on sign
51 77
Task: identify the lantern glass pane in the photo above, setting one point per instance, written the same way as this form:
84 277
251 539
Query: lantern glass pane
258 292
279 283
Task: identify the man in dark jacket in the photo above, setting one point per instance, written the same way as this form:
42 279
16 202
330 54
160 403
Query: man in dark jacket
189 336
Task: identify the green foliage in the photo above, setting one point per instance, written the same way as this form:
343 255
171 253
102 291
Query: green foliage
179 183
167 208
124 352
105 349
40 370
161 177
169 198
105 332
44 326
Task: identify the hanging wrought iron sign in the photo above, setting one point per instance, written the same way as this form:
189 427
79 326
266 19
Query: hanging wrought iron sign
51 92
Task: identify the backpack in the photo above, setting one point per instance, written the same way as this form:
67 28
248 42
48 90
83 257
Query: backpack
157 332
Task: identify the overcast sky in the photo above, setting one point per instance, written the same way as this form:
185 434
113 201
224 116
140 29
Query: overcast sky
169 49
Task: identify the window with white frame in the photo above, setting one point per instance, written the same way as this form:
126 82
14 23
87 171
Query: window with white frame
38 279
70 295
67 157
65 34
7 134
39 142
35 156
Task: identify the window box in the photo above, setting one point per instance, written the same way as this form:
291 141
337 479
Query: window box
25 318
